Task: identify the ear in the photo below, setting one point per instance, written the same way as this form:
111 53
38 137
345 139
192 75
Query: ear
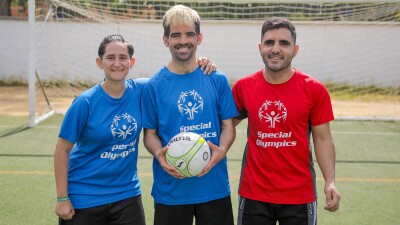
296 49
165 40
98 62
199 38
133 60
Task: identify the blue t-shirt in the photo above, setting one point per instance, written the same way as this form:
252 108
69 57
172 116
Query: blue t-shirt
193 102
103 162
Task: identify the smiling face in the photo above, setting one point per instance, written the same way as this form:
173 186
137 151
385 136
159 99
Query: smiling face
182 41
277 49
116 61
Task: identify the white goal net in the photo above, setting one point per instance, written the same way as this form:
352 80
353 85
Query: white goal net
352 46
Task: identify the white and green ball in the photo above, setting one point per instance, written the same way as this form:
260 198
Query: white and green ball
189 153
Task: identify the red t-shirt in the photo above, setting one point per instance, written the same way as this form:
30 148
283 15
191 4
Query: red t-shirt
277 164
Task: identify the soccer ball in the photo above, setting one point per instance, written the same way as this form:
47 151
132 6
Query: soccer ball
189 153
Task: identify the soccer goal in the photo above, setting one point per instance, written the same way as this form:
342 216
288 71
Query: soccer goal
351 46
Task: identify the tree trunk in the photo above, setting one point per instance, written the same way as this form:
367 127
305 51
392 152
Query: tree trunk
5 9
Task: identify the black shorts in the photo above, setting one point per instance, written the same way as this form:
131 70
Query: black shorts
127 212
253 212
216 212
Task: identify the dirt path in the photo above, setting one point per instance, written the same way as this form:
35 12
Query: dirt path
15 101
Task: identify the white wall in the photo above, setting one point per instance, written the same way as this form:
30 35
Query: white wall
366 53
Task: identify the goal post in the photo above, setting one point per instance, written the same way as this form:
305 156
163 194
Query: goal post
32 63
33 78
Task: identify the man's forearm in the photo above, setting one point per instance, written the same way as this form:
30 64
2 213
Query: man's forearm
152 142
228 135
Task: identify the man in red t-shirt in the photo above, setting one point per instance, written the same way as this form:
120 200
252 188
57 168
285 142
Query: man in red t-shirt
284 107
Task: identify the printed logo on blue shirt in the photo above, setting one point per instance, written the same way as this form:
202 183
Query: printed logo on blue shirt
122 127
190 103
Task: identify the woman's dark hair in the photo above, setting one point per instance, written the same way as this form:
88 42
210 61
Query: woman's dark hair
112 38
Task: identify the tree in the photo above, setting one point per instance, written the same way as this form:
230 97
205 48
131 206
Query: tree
5 7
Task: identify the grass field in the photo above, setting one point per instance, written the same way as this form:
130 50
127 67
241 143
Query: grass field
367 171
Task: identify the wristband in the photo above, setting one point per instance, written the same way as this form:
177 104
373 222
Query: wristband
63 199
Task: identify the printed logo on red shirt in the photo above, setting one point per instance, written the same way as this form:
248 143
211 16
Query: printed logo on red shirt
272 112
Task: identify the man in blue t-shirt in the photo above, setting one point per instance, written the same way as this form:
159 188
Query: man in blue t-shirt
180 98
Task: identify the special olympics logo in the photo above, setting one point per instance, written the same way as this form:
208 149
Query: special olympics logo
190 103
272 112
123 125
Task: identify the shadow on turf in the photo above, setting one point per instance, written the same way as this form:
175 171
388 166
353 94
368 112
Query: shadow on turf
15 131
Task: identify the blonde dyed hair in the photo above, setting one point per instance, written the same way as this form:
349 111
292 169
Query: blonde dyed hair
181 15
